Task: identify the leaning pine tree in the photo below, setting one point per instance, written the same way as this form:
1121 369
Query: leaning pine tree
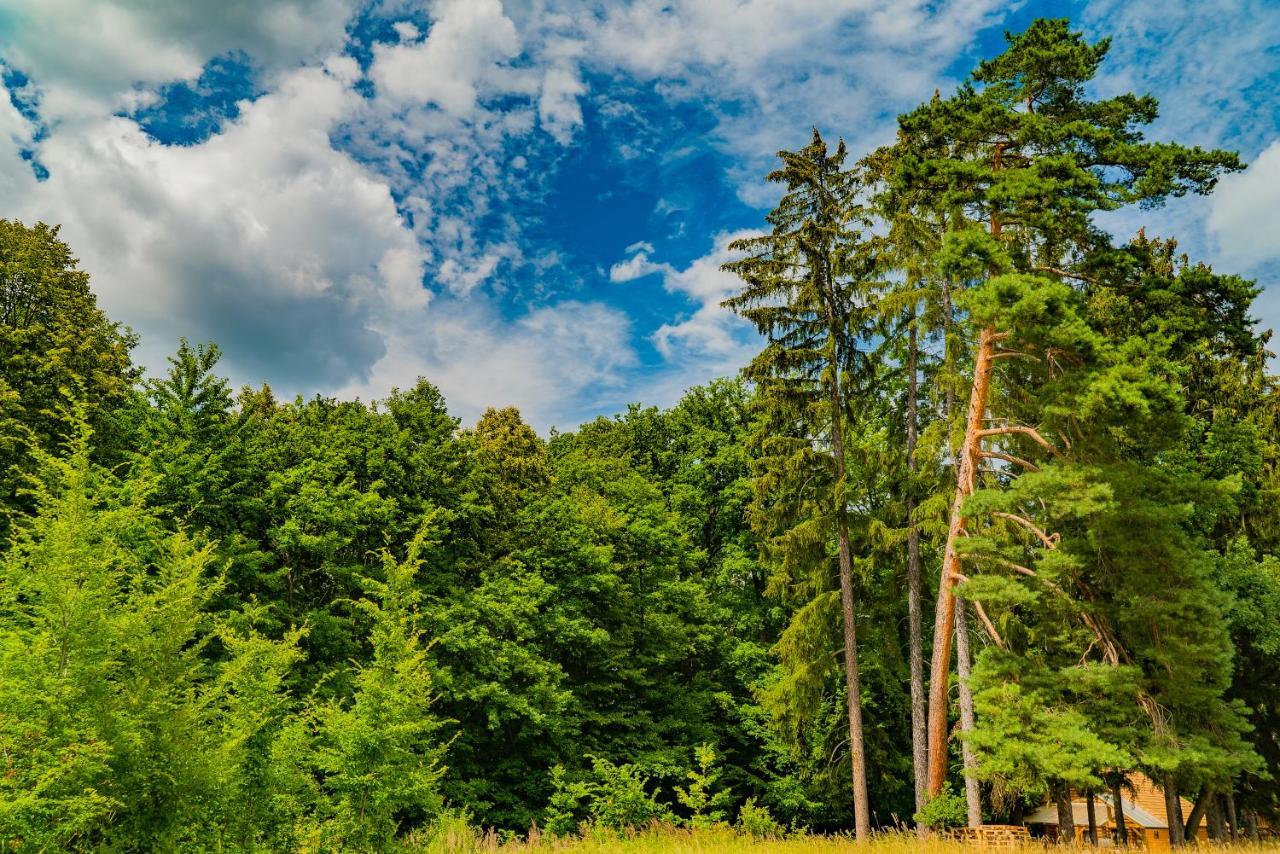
806 290
1032 159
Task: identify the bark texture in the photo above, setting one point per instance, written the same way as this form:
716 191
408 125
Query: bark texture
1192 826
944 615
1122 832
915 630
1066 820
857 753
1173 809
972 793
1233 818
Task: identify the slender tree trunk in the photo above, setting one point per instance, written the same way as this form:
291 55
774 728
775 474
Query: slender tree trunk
915 630
944 616
1215 820
972 793
1122 832
1197 810
1066 819
1233 818
1173 809
1091 812
1251 824
861 807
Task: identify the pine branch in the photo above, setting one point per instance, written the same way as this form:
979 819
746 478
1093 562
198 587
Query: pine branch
1050 540
1010 458
1024 430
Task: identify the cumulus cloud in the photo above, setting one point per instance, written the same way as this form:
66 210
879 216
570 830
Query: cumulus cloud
263 238
461 57
710 340
87 55
554 362
1244 213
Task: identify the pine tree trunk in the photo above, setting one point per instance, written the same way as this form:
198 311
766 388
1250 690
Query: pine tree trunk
1173 810
972 793
1233 818
1091 812
915 629
1066 819
944 616
861 806
1197 810
1251 824
1215 820
1122 832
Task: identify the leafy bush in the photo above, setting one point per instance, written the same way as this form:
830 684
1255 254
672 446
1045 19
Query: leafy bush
946 810
757 821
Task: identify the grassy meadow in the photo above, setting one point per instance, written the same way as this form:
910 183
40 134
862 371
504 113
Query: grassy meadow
460 839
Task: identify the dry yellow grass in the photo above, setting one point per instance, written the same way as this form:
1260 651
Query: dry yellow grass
461 840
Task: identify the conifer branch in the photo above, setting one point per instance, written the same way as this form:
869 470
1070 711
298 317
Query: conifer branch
1010 458
1024 430
1066 274
988 625
1014 354
1050 540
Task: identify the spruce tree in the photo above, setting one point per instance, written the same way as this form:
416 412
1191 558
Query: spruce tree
807 285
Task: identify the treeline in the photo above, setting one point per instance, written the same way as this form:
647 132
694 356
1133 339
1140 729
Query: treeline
230 620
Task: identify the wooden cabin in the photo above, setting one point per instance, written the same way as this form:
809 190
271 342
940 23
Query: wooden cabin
1145 817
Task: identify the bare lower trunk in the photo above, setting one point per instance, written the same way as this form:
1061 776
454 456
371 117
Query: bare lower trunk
857 754
1197 810
1251 824
944 616
1215 820
915 631
1122 832
1066 820
972 793
861 807
1091 812
1233 818
1173 809
915 639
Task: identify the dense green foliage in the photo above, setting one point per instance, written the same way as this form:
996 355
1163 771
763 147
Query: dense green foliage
230 621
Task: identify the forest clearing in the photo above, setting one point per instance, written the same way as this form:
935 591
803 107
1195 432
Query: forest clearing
726 841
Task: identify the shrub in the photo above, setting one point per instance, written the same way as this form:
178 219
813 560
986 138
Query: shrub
758 821
946 810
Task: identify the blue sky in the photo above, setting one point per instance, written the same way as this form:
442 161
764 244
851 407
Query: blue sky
526 201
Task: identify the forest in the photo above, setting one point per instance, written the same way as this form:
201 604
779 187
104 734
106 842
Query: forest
993 517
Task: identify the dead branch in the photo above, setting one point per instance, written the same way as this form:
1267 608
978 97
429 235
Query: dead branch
988 625
1024 430
1010 458
1050 540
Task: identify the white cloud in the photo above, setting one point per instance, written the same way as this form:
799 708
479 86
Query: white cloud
554 363
1209 62
263 237
558 107
290 252
461 58
1244 212
89 55
771 68
710 341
